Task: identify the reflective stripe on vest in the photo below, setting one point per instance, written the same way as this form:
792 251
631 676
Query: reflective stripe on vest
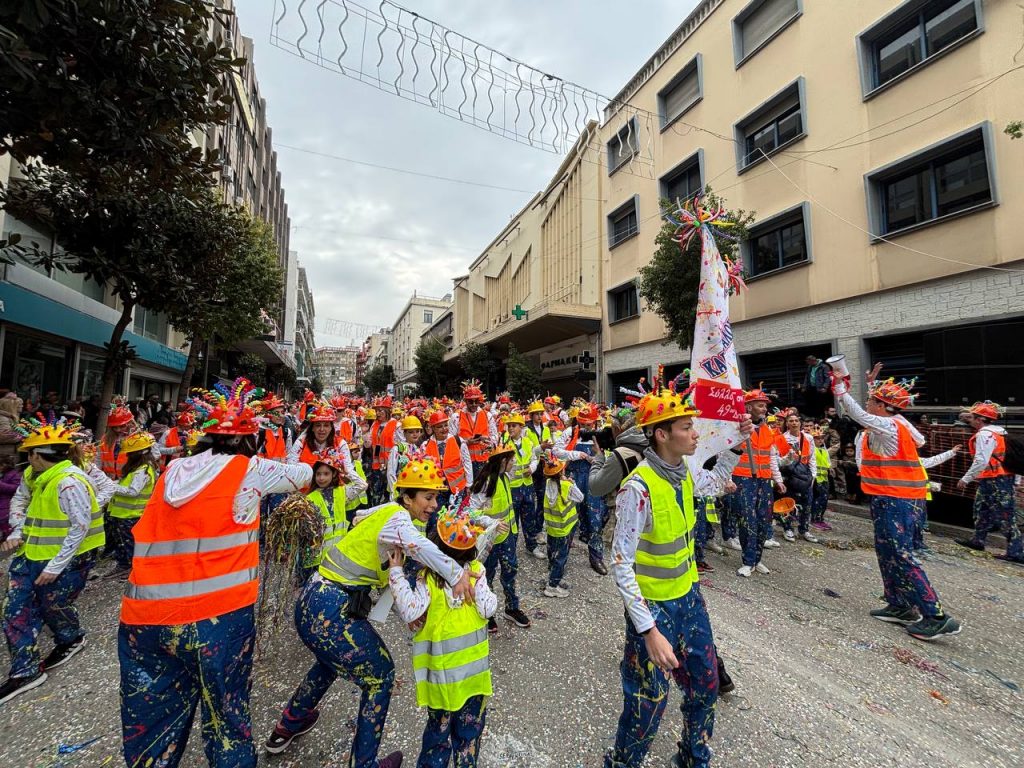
450 652
356 559
562 517
46 526
759 450
995 467
665 566
823 462
451 464
362 498
710 512
521 474
479 428
501 508
901 475
214 571
335 521
109 463
381 442
128 507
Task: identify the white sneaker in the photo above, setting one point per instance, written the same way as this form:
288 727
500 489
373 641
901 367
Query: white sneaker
808 536
734 543
744 571
789 536
771 544
539 552
550 591
715 547
762 568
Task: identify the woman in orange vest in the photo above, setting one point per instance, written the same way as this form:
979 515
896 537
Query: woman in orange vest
800 449
892 475
274 438
120 423
187 621
452 456
474 426
384 433
318 435
172 442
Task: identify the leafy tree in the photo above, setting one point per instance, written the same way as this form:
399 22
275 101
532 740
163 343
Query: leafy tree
476 361
429 358
1015 129
251 366
360 390
316 385
669 283
521 376
377 378
281 377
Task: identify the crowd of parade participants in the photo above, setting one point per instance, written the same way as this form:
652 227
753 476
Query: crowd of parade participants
424 503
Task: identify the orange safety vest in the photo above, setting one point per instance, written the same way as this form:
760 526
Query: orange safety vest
451 464
555 421
346 430
193 562
806 446
308 455
477 451
901 476
382 441
995 467
760 449
571 445
109 463
275 446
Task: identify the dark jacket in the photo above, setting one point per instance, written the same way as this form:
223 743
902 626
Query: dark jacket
610 469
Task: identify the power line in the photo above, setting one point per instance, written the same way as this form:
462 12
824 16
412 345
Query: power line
370 236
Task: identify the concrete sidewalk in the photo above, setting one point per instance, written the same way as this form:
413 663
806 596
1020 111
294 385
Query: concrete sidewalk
818 682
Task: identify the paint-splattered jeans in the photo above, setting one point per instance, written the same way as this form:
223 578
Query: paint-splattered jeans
729 514
453 738
347 648
505 555
993 513
121 540
166 671
684 623
376 486
531 520
904 581
703 528
28 607
802 513
819 501
558 556
592 512
753 501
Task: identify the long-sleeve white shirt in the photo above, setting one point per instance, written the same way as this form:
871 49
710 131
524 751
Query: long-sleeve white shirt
633 517
413 602
295 451
933 461
522 446
984 445
553 487
399 532
393 457
137 482
882 432
794 443
492 429
562 452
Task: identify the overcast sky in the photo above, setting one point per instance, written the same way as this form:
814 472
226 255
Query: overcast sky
341 212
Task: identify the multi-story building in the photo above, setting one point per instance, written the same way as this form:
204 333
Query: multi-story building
443 330
537 285
868 138
369 351
336 368
305 329
418 315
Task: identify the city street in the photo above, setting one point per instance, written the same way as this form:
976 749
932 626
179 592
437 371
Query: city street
818 682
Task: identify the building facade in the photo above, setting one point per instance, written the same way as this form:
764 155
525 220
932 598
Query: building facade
370 351
868 138
418 314
443 330
305 329
336 368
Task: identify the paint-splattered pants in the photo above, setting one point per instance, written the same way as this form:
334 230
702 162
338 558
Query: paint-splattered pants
346 648
754 505
121 540
505 555
530 518
819 501
993 513
729 515
802 513
684 623
377 486
558 556
27 608
904 581
703 530
592 512
167 671
453 738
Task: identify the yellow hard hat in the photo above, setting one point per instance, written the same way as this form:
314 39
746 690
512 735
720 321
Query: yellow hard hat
370 414
515 418
535 407
421 474
39 435
655 408
137 441
411 422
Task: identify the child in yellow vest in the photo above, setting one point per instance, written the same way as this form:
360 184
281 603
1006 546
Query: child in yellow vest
450 648
560 499
332 493
138 477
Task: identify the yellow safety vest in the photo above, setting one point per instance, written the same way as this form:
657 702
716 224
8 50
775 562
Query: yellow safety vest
501 508
521 474
560 517
335 520
355 560
665 566
710 511
450 652
128 507
928 485
824 464
361 498
46 525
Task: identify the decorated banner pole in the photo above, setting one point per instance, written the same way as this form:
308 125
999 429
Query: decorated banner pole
715 376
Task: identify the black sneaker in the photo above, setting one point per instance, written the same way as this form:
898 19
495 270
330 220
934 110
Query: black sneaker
517 617
1007 559
598 566
894 615
970 544
18 685
725 683
394 760
280 739
932 627
492 626
61 654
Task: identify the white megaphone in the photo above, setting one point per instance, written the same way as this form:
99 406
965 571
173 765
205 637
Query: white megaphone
838 365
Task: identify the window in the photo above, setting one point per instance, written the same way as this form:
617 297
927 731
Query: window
623 303
914 34
685 180
150 324
944 180
622 148
623 223
777 243
428 316
758 23
775 124
684 90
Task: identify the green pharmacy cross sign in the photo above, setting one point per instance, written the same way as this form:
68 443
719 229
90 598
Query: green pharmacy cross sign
519 313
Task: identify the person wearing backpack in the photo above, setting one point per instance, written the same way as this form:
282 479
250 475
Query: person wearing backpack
799 477
993 503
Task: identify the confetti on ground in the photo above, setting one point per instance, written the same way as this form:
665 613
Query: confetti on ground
908 657
831 593
878 709
939 697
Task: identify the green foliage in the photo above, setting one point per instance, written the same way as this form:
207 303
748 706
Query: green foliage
316 385
476 361
378 377
251 366
669 283
429 358
1015 129
522 378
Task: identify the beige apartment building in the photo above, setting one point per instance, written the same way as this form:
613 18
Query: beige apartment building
419 313
537 285
838 123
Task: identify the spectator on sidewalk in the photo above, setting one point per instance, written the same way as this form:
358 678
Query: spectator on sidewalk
816 387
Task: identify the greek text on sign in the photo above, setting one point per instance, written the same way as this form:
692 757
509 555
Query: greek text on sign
719 401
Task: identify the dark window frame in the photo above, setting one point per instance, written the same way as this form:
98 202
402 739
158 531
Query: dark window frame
740 56
694 66
626 289
774 225
768 114
696 160
630 206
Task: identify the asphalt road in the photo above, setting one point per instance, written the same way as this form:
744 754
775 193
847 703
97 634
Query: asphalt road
818 682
